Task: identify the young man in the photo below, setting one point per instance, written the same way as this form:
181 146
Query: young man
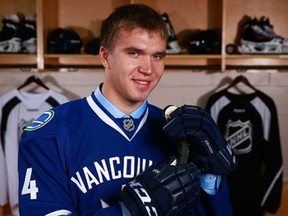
75 159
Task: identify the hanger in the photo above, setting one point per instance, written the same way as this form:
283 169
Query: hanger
33 79
242 79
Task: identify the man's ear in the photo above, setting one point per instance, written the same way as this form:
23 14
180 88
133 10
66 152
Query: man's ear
103 53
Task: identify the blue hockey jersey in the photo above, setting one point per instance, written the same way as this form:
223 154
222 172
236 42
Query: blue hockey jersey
75 158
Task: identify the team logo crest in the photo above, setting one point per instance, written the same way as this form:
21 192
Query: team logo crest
239 135
128 124
41 121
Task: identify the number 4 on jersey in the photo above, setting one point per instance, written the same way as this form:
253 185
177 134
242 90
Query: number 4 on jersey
29 186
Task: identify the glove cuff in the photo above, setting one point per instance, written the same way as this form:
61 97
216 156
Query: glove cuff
138 200
125 211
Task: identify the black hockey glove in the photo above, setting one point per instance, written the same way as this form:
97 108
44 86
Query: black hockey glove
165 189
199 139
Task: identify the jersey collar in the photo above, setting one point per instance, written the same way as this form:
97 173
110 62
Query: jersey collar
113 110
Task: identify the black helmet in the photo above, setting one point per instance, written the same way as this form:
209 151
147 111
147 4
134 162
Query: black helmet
65 41
93 46
204 42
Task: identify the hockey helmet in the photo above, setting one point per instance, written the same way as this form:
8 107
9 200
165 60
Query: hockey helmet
93 46
204 42
64 41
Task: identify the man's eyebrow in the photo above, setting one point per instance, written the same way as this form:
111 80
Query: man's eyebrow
135 49
163 53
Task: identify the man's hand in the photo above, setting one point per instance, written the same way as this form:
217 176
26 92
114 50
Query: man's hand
166 189
207 148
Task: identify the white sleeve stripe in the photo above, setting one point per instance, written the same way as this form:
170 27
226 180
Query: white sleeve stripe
265 114
59 212
271 186
219 105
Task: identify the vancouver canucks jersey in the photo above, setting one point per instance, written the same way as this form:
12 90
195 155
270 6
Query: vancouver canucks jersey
249 122
17 110
87 155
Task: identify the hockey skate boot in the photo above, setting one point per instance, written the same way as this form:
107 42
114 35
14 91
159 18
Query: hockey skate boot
172 46
256 40
10 42
27 34
268 28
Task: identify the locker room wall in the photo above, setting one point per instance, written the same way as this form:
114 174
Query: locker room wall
176 87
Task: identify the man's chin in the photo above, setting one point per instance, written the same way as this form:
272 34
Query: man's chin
140 98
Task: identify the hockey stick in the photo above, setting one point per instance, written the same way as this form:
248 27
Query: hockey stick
183 148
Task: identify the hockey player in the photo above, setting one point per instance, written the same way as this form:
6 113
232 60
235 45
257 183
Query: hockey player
107 154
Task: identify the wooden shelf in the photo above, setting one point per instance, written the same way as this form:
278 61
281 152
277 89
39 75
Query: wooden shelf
16 62
18 59
72 59
261 62
180 61
209 62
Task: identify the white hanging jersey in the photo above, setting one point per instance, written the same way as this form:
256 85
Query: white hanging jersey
18 110
3 179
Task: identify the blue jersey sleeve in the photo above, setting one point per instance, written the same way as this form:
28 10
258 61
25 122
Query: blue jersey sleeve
43 163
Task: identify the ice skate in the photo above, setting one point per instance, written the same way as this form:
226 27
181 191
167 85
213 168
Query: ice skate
27 34
10 42
259 38
172 46
268 28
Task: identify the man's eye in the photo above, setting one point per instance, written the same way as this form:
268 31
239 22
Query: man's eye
158 57
133 53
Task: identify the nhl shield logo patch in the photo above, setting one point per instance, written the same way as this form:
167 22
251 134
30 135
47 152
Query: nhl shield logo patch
128 124
239 135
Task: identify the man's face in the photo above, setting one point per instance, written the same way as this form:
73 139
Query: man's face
133 68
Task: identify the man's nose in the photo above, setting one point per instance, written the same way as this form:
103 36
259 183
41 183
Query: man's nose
146 65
